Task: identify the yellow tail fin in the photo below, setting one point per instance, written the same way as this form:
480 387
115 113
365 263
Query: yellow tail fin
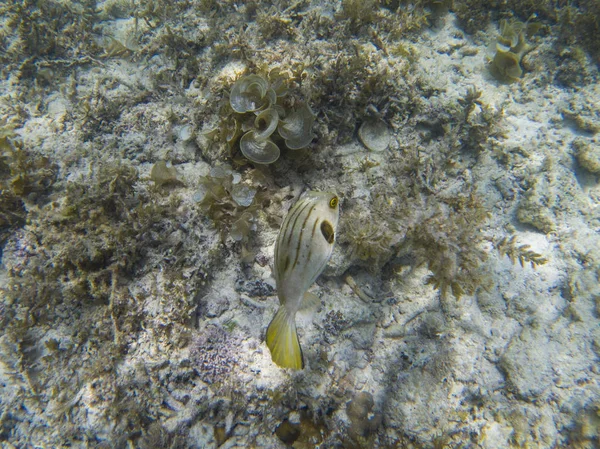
282 340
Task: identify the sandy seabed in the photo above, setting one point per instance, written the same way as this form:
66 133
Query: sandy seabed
133 316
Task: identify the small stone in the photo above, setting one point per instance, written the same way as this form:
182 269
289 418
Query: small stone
362 416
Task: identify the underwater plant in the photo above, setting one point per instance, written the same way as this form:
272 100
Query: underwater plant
228 201
374 134
259 112
510 49
369 240
449 240
27 174
163 175
522 253
74 256
23 176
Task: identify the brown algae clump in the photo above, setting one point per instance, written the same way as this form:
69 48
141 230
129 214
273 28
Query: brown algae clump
162 174
228 201
362 415
510 49
587 155
259 112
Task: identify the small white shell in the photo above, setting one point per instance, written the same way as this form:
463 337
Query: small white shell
375 135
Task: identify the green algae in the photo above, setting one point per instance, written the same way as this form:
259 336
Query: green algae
229 202
511 46
254 95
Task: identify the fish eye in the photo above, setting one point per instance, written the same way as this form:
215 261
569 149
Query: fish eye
333 202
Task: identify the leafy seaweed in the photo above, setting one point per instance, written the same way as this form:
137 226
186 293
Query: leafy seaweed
522 253
449 240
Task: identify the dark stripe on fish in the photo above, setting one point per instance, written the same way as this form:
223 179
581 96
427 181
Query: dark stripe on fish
296 210
291 228
312 236
301 235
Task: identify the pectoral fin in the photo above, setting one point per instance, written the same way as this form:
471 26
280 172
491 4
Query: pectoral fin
282 340
310 302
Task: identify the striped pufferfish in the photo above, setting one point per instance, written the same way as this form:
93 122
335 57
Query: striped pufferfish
302 250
